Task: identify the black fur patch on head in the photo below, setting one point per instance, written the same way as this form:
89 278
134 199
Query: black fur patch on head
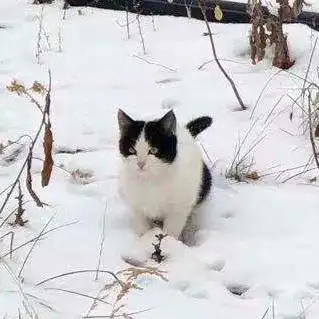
199 124
165 141
159 134
130 136
130 131
205 185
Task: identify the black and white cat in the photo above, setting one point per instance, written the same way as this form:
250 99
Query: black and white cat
163 176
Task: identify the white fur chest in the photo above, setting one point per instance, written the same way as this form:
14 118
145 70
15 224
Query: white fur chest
152 198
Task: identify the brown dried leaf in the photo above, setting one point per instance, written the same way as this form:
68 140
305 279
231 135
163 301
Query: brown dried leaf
48 160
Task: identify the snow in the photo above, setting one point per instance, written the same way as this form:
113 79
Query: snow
257 239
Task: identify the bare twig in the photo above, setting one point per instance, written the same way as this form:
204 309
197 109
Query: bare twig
140 30
39 37
80 272
311 133
4 190
262 91
153 23
11 234
11 213
220 59
29 181
36 238
298 174
33 245
59 166
124 315
154 63
79 294
60 40
203 10
127 23
101 244
308 68
265 313
26 303
20 210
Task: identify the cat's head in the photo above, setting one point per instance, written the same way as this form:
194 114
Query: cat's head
147 147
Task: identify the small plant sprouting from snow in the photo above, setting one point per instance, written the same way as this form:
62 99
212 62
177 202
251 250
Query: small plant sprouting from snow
124 282
157 254
242 171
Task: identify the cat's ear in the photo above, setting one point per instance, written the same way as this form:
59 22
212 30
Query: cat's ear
124 120
168 122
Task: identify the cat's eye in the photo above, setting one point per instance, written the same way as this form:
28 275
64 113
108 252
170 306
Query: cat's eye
153 150
131 150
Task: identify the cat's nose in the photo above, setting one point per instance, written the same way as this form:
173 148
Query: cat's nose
141 164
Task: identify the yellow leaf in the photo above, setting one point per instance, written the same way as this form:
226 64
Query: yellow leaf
218 13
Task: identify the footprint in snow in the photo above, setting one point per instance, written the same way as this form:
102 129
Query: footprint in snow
237 289
217 265
191 290
227 215
168 80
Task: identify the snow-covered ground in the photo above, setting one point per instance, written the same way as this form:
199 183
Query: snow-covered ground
256 254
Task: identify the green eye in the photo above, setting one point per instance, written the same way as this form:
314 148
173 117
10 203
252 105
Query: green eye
131 150
153 150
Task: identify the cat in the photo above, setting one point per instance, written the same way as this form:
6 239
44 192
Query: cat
163 176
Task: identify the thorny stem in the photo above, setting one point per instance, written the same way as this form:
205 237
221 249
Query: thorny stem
35 139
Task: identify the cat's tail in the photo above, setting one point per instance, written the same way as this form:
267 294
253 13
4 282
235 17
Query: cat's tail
199 124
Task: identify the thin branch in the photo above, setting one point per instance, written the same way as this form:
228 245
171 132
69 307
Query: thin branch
127 23
140 30
79 294
308 68
36 238
55 165
11 234
298 174
311 135
34 243
11 213
220 59
29 181
80 272
101 244
203 10
262 91
154 63
128 315
27 304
